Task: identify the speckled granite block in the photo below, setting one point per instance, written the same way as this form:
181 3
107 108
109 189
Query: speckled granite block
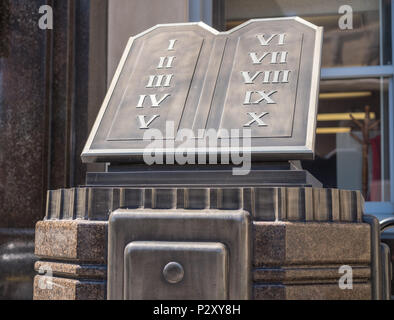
308 274
68 289
301 260
72 270
360 291
310 243
72 240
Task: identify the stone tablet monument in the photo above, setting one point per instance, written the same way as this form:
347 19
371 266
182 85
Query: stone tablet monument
201 79
204 196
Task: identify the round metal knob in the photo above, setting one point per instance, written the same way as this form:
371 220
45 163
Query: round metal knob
173 272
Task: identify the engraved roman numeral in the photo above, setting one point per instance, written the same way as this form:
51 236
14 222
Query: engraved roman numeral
163 61
144 124
172 44
257 119
159 81
267 75
153 98
263 97
257 60
265 42
285 77
248 79
276 57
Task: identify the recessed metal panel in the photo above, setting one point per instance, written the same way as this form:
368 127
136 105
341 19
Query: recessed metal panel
175 270
261 76
227 227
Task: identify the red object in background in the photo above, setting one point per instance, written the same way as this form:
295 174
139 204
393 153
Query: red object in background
375 187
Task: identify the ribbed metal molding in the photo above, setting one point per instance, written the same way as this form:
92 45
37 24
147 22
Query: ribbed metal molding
264 204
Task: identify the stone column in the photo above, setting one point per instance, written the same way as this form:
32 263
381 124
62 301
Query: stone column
49 82
22 130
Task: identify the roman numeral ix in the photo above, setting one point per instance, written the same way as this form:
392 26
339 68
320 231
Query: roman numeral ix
262 97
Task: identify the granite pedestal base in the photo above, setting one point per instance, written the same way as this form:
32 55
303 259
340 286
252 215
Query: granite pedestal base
300 239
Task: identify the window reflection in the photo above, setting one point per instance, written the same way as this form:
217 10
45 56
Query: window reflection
366 41
343 108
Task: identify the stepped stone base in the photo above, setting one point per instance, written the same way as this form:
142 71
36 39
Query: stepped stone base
301 237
